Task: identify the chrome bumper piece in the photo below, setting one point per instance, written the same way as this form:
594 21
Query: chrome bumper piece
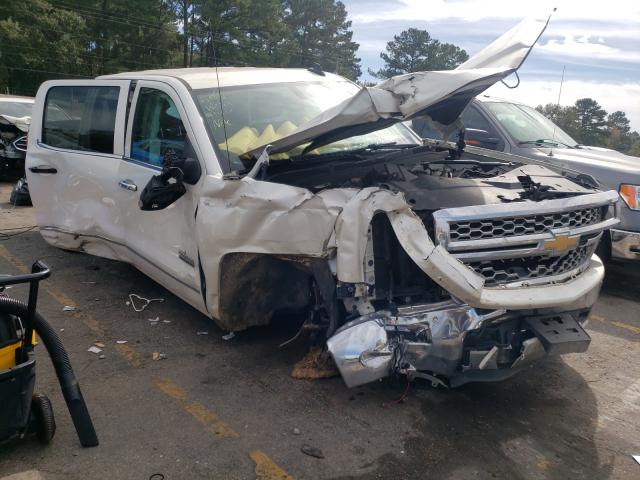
428 341
625 245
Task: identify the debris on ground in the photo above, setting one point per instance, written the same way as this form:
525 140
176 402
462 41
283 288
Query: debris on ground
158 356
165 321
154 321
94 349
228 336
142 301
296 431
315 364
311 451
68 308
101 357
121 342
202 333
99 344
636 458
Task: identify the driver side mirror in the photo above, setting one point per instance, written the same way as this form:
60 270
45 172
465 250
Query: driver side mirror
480 138
164 189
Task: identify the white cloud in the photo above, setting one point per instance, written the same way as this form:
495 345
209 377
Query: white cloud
582 47
611 96
473 10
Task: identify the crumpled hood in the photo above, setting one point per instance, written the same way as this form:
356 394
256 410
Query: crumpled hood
442 95
21 123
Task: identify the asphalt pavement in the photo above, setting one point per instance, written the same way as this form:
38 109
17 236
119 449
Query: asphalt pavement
229 409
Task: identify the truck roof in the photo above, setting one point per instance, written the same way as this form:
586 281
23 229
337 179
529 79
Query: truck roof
207 77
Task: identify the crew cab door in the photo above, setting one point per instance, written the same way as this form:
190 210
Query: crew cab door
162 242
76 143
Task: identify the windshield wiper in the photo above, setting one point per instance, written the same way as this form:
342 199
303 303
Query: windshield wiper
545 141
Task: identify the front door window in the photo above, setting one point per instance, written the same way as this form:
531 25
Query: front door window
157 128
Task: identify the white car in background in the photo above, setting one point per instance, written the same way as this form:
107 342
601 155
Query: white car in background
15 117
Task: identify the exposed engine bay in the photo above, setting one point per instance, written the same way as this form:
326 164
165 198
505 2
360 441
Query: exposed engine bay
426 175
402 320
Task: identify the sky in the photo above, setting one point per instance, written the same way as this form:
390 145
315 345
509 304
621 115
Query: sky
597 42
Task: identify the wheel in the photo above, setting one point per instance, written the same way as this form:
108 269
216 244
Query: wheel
45 422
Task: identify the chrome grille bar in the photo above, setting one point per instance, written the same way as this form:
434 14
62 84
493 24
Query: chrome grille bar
556 238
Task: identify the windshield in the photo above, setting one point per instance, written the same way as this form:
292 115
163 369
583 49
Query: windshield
256 115
525 124
16 109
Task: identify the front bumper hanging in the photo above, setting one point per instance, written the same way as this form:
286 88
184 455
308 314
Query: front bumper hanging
429 341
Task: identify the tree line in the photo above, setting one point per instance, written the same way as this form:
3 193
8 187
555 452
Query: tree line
590 124
43 39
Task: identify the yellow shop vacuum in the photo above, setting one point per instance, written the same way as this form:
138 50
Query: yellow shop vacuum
23 413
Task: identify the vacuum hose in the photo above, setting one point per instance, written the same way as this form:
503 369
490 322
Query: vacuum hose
68 383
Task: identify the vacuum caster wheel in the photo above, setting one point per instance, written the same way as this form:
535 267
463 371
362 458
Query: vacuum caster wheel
45 422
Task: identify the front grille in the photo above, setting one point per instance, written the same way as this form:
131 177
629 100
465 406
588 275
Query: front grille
527 241
523 225
496 272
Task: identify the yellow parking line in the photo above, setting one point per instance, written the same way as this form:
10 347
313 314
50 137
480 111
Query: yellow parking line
132 356
626 326
90 322
202 414
266 469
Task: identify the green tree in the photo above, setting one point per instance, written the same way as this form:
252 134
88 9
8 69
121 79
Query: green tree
322 34
44 39
415 50
119 40
618 128
38 42
565 117
592 121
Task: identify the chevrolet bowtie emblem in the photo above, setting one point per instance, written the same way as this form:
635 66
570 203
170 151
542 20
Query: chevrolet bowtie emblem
561 243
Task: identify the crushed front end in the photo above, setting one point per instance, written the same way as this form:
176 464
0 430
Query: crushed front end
489 289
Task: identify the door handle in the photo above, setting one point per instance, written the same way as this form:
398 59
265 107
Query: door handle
128 185
43 169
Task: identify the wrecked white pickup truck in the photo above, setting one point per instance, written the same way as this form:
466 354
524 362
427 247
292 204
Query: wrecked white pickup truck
432 262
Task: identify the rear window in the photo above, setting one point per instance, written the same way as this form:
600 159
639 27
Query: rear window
81 118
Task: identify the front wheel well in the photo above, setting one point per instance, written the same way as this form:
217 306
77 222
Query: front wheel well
255 286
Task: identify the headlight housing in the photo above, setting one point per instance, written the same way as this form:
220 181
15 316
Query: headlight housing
631 195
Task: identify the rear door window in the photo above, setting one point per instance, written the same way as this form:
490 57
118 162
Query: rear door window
81 118
157 128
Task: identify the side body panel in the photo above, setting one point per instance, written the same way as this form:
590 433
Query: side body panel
75 191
